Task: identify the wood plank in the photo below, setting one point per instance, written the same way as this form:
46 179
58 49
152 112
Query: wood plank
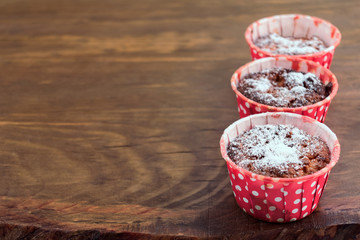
111 113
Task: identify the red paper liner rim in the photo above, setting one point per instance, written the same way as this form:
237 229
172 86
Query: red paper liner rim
335 152
249 29
328 99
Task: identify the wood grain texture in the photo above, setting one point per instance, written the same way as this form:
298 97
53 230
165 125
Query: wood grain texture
111 113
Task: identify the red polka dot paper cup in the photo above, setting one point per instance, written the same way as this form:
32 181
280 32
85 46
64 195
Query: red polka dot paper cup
278 199
317 111
298 26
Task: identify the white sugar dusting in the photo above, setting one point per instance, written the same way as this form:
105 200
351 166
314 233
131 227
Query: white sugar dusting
292 90
277 44
271 147
262 84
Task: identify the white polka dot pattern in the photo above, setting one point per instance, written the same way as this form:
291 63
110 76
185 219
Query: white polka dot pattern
271 201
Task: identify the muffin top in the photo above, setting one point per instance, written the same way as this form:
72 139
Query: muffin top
280 87
279 151
277 44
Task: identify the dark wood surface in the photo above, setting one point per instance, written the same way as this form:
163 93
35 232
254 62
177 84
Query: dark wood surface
111 113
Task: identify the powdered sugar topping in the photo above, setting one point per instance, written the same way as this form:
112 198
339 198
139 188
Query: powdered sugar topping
283 87
277 44
272 148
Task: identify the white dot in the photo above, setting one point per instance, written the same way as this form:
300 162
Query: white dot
238 187
280 220
318 186
265 201
240 176
293 219
238 109
325 175
244 111
245 199
278 199
310 110
295 210
304 199
298 191
326 109
267 215
284 203
326 65
254 51
253 179
244 210
231 183
304 208
233 176
319 191
296 201
251 210
266 195
313 184
313 192
314 206
260 54
247 105
299 182
285 193
281 189
255 193
283 211
305 214
317 119
234 194
322 107
246 187
257 207
325 57
258 109
262 187
269 186
272 208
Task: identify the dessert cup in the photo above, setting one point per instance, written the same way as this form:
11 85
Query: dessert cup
278 199
317 111
298 26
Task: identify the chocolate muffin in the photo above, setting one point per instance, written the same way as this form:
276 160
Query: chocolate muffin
280 87
279 151
277 44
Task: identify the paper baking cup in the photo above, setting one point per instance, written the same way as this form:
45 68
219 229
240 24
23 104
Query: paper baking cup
298 26
317 111
278 199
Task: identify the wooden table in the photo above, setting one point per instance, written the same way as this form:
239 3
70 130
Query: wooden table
111 113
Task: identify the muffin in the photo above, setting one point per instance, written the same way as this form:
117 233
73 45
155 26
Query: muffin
284 77
294 35
279 151
280 199
277 44
281 87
